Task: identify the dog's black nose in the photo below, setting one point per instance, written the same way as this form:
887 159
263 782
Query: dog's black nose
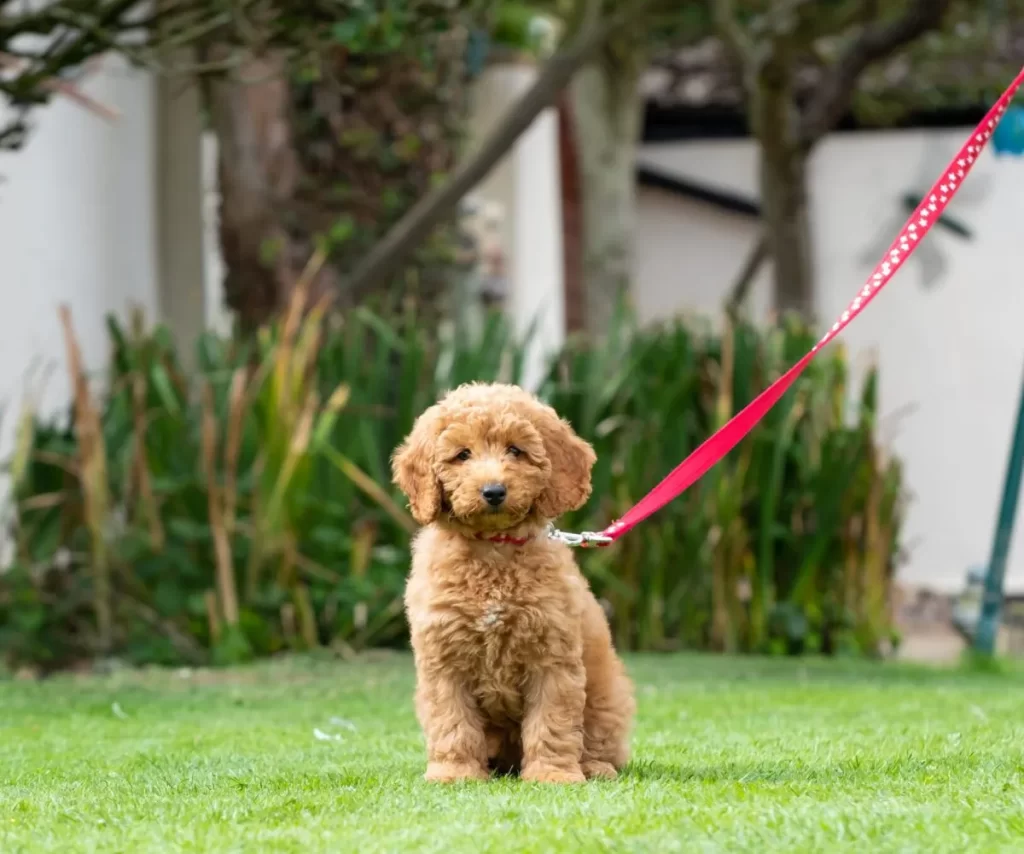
494 494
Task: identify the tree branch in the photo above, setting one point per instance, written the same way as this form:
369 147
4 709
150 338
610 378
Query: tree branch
740 290
62 87
733 35
784 17
387 256
875 41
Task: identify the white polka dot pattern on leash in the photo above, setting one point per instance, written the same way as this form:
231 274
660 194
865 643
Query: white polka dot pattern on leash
724 440
924 217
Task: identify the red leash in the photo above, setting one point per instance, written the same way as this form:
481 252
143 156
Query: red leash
695 466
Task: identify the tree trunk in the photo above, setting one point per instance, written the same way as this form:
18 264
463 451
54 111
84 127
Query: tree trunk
258 173
572 219
787 229
784 209
374 135
606 114
787 127
332 159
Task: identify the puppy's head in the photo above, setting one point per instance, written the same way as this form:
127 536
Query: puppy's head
490 457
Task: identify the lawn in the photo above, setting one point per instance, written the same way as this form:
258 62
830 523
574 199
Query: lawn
312 755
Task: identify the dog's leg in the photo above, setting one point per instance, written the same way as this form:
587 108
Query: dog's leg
606 723
456 747
608 715
553 725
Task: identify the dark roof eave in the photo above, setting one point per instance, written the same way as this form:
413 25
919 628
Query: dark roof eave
677 123
650 176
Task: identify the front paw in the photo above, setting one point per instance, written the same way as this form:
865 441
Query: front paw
596 770
551 774
453 772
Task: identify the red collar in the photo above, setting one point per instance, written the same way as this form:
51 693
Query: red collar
507 539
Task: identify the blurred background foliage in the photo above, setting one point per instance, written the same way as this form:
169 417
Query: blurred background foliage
243 506
247 509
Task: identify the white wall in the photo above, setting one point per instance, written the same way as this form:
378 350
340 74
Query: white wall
526 185
216 313
77 226
952 349
688 254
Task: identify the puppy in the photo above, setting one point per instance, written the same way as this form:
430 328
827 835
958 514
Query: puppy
515 667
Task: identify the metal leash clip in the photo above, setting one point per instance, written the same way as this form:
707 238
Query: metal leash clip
582 540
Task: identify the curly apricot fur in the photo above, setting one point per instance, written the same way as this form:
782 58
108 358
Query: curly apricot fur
515 665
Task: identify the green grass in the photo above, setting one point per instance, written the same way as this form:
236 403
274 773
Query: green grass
730 755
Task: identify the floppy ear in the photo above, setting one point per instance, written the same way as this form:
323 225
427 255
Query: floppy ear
412 467
571 461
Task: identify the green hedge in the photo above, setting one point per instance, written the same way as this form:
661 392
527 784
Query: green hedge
247 508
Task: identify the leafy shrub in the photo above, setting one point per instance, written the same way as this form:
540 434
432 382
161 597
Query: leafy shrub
246 508
788 545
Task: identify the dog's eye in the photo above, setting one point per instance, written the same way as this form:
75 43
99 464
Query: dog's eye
514 451
463 455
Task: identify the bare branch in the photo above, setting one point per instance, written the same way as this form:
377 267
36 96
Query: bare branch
731 32
40 46
875 41
65 45
783 18
62 87
386 257
740 290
